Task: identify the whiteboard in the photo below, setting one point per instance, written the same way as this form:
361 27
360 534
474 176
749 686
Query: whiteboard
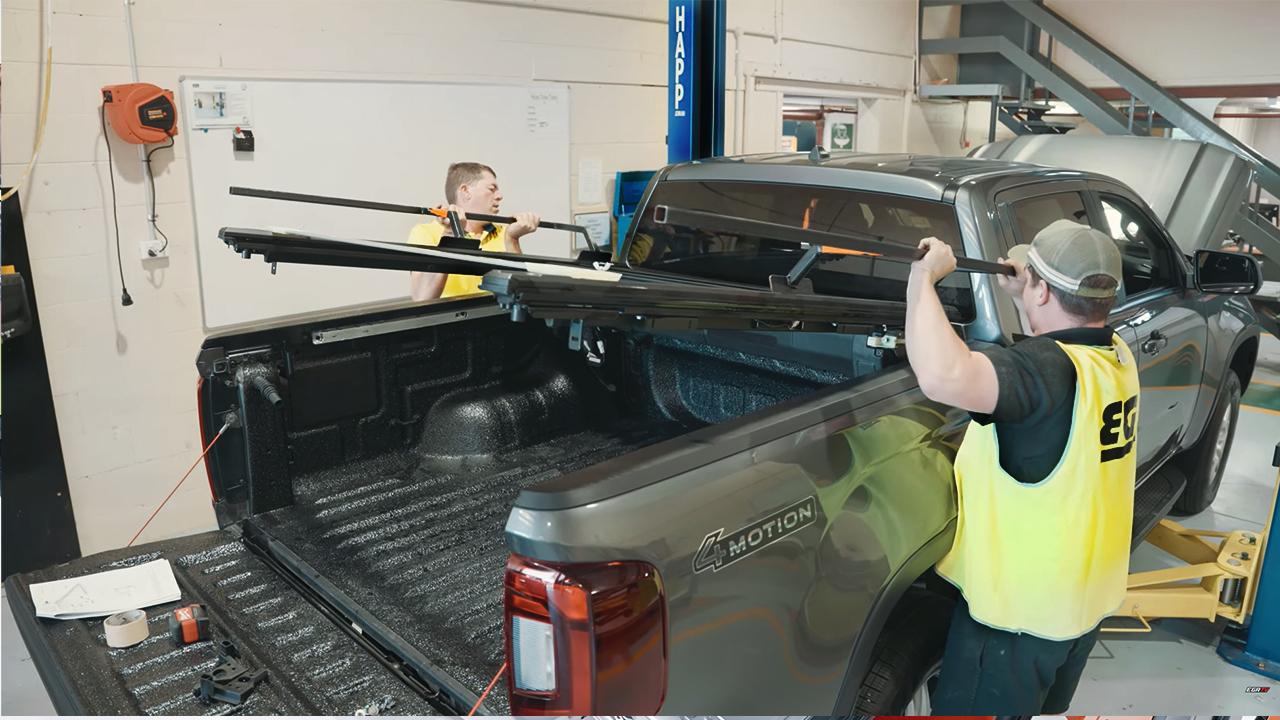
389 141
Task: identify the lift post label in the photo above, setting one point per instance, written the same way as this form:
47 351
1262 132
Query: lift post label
679 83
719 550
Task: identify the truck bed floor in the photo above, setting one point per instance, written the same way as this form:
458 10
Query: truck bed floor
313 667
422 548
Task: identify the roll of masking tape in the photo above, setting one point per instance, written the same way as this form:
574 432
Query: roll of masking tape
126 628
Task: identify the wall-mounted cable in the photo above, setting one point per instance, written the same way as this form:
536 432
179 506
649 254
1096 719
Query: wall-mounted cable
151 177
125 300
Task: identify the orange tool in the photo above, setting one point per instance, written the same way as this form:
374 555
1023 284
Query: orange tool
189 624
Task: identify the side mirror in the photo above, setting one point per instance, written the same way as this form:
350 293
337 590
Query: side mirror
1229 273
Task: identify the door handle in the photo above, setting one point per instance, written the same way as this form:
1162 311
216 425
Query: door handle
1154 343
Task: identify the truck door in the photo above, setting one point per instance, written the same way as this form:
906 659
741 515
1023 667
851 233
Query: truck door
1028 209
1167 337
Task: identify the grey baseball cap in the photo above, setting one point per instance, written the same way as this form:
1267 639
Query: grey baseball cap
1064 253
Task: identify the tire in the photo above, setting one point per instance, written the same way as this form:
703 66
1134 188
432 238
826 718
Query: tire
1203 463
907 654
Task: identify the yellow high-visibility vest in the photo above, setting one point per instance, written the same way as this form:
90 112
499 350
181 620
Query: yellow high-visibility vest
1051 559
429 234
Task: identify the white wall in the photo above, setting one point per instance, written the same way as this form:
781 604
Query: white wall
1178 42
123 378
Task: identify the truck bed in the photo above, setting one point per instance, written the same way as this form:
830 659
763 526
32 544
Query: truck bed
422 549
314 667
374 566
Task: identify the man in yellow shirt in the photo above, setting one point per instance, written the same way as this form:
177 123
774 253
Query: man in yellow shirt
468 187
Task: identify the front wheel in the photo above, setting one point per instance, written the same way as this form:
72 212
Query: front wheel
1204 462
908 657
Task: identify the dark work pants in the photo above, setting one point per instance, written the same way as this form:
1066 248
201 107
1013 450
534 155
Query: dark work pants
995 672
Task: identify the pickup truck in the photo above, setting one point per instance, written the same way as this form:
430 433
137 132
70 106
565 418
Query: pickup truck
693 475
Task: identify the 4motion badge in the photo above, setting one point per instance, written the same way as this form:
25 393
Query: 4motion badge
720 549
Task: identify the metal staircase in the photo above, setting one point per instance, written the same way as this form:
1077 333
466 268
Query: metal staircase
1028 118
1017 43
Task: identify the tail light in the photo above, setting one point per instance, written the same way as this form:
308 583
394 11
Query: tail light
205 436
585 639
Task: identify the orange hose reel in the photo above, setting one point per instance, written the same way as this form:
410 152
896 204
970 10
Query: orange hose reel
141 113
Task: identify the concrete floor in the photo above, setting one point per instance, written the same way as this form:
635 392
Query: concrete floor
1174 670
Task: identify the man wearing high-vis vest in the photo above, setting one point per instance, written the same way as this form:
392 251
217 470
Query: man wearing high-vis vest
1044 477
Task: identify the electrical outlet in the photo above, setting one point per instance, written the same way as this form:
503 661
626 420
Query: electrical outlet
152 249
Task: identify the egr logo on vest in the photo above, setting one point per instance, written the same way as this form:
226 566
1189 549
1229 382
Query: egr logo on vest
1119 428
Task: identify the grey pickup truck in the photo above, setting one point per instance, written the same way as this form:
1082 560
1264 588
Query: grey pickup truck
692 475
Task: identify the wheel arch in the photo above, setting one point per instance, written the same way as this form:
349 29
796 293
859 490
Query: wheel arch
917 568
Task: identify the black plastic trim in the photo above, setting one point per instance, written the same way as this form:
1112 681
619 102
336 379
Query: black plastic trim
1176 482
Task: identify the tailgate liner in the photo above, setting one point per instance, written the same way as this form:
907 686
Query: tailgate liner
422 549
314 666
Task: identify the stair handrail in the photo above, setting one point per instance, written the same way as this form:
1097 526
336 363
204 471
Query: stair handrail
1156 98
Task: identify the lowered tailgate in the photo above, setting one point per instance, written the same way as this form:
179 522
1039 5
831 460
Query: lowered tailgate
314 666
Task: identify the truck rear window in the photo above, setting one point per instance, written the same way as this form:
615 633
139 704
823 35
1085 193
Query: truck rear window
750 260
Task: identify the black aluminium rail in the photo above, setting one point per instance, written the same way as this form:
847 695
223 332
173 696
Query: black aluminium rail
407 209
872 245
260 544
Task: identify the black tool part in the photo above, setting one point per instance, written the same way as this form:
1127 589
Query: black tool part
858 242
393 207
231 680
804 265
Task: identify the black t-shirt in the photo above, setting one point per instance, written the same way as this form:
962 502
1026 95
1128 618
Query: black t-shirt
1037 399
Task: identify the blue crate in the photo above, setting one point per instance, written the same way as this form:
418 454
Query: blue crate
628 189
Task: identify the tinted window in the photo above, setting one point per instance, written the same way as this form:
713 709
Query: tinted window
1032 215
1146 264
750 260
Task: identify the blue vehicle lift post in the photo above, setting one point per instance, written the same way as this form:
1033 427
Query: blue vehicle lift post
695 79
695 98
1255 645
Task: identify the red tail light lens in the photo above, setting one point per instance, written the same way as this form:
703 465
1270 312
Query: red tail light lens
205 437
585 639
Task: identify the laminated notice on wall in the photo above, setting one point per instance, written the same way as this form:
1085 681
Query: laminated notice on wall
590 181
220 104
544 113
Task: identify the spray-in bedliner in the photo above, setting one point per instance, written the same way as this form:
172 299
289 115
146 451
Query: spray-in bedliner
314 667
420 546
